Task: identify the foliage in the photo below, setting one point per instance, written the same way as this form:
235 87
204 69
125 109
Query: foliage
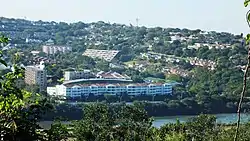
58 132
105 122
19 110
125 122
244 85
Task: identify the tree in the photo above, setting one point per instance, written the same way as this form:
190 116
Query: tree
19 110
202 128
174 77
102 65
245 74
125 58
137 78
58 132
160 75
60 39
106 122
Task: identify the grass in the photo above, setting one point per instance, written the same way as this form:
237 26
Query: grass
159 80
154 79
129 62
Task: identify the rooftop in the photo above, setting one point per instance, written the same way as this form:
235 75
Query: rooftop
95 80
107 55
37 67
117 84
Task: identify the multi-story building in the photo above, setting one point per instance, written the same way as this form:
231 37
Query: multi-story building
107 55
136 89
36 75
72 75
52 49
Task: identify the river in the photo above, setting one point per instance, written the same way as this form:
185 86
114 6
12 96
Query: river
220 118
159 121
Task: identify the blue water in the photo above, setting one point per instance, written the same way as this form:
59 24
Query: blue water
220 118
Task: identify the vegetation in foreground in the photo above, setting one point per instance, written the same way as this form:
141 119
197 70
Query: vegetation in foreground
106 122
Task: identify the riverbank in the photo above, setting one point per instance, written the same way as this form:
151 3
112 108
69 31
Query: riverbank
159 121
69 111
228 118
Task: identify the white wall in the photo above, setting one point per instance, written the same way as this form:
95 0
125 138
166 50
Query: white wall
51 90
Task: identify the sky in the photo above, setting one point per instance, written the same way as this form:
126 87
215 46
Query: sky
209 15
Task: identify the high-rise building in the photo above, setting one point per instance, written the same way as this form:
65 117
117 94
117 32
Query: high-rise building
71 75
36 75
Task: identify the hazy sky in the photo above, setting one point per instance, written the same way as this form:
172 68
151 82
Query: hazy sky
218 15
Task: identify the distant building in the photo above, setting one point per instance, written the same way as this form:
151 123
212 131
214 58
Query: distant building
71 75
79 90
195 46
35 52
211 65
36 60
52 49
49 42
32 41
107 55
36 75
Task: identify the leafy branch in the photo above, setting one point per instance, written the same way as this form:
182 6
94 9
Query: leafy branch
245 75
3 40
20 110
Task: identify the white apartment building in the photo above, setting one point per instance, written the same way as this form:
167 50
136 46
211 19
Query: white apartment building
52 49
79 90
107 55
36 75
71 75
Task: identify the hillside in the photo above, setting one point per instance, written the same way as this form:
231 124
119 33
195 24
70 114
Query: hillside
209 65
104 35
